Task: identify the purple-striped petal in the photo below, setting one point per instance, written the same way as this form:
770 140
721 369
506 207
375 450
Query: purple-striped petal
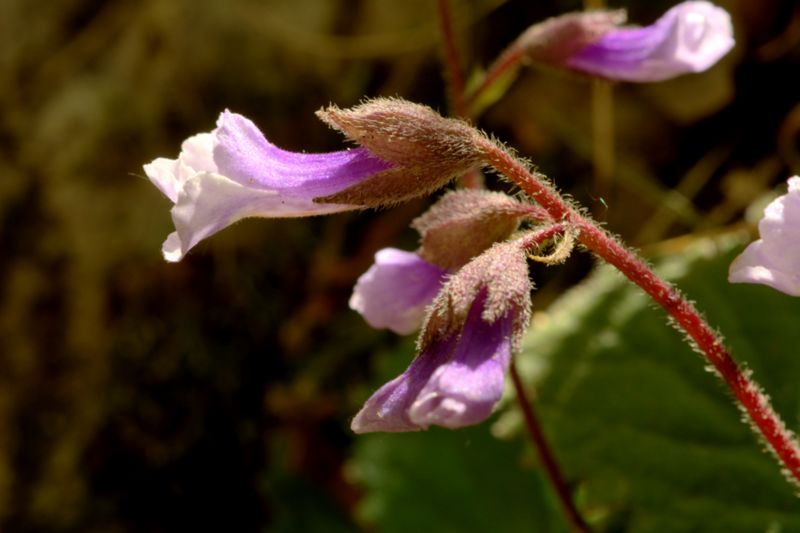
774 259
456 381
690 37
234 172
396 289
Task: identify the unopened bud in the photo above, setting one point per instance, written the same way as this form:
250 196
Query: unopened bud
557 39
464 223
501 274
426 149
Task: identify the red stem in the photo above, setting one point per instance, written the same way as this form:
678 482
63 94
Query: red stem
753 402
452 63
546 456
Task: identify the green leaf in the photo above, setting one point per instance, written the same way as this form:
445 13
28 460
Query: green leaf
450 481
447 481
653 440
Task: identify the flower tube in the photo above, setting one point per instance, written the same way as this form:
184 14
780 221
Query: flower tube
233 173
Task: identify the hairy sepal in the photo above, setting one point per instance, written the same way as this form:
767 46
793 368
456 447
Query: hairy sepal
464 223
501 272
426 149
557 39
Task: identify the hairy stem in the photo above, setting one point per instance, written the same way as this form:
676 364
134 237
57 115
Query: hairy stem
546 457
452 63
754 403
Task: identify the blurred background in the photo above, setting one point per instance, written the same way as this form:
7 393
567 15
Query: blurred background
216 393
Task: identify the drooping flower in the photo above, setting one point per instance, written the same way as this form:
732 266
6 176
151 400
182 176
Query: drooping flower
234 172
455 381
774 259
395 291
690 37
472 327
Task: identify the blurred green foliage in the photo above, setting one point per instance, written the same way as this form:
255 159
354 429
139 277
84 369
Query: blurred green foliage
137 395
653 439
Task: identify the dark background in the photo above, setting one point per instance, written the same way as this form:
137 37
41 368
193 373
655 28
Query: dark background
137 395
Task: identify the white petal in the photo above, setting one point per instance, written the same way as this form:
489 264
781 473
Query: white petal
210 202
774 259
169 175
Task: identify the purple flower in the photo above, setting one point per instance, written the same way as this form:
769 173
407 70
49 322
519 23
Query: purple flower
234 172
395 291
774 259
690 37
455 381
471 328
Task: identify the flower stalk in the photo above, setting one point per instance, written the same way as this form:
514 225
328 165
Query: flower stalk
546 456
452 63
748 395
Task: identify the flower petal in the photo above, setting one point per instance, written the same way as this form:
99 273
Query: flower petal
245 156
395 291
387 409
169 175
234 172
690 37
464 391
456 381
774 259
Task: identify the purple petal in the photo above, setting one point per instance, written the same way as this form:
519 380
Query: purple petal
774 259
464 391
395 291
244 155
234 172
387 409
454 382
690 37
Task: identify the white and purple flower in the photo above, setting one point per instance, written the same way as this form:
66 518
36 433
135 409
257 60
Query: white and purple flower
774 259
234 172
690 37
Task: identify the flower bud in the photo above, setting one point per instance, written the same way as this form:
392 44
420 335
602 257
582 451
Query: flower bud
426 149
464 223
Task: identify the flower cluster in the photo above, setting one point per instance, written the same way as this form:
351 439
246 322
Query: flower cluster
475 315
468 285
